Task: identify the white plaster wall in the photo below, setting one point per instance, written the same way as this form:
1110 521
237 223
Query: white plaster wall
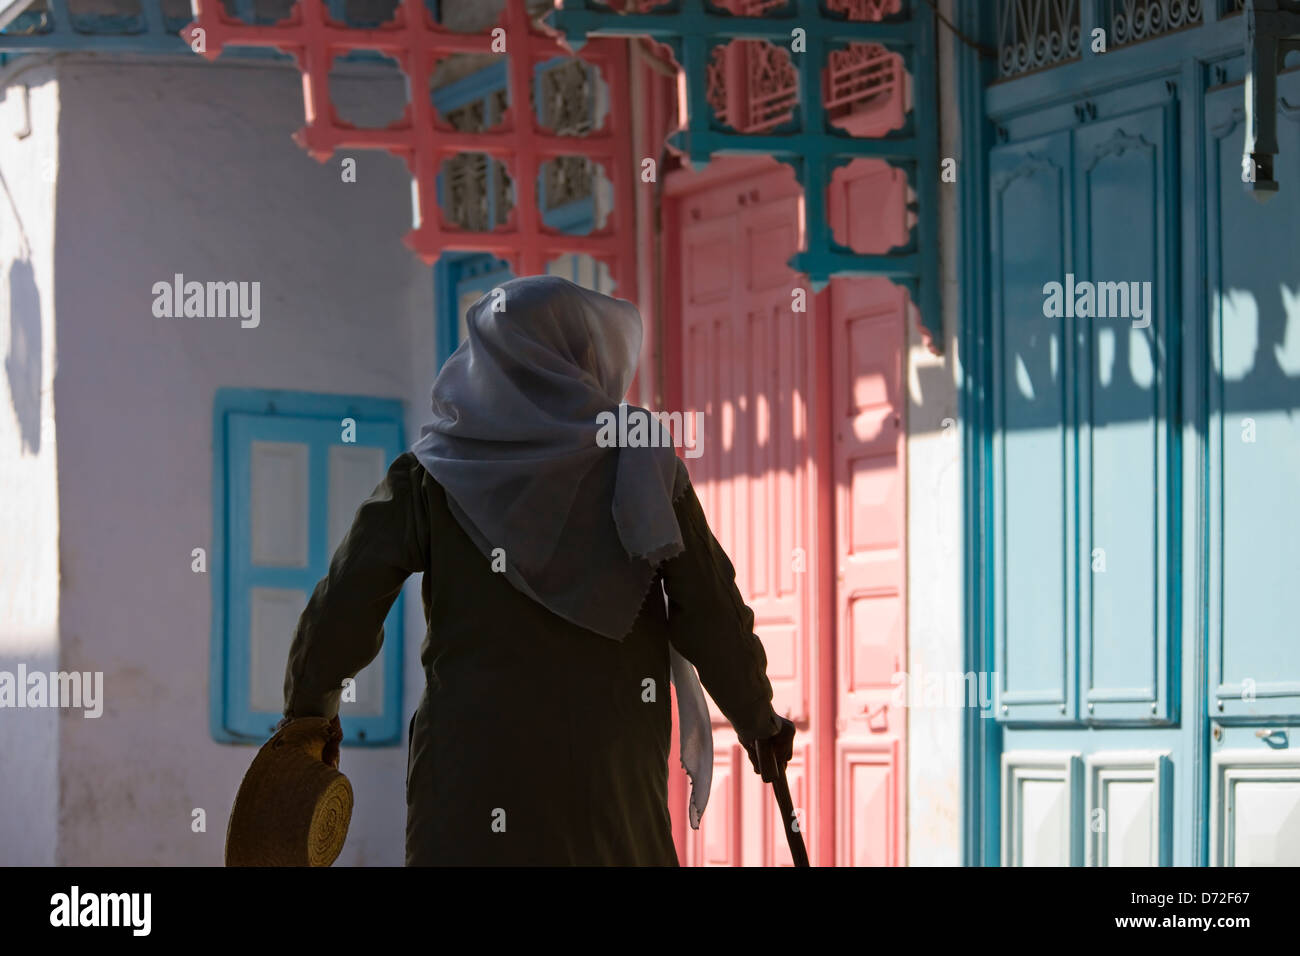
188 167
934 539
29 519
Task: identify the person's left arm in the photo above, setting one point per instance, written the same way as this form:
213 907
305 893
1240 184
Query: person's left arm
342 628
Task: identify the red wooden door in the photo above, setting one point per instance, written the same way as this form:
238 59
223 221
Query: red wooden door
867 345
868 324
747 363
801 477
867 334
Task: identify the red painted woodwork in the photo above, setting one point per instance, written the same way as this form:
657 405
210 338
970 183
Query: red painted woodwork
424 141
869 796
867 323
804 449
868 343
747 363
770 382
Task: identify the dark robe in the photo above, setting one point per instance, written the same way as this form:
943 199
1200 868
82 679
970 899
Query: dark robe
534 741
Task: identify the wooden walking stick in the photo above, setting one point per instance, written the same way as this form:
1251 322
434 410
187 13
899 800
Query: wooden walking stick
771 770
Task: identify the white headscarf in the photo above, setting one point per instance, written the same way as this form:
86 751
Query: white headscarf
582 528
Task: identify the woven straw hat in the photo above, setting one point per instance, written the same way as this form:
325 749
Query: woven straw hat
292 808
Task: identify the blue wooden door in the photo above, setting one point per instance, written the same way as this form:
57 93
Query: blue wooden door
1253 472
1084 514
1144 383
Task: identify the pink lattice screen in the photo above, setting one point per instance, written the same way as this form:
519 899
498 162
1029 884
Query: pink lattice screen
858 73
423 140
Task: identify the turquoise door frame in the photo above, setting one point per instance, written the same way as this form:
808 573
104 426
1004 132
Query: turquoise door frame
981 738
455 275
1098 150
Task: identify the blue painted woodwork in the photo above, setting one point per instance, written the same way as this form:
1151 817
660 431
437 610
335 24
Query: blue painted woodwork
808 143
1084 513
241 416
1125 190
982 738
575 218
1086 433
455 275
1033 463
475 87
1254 393
56 30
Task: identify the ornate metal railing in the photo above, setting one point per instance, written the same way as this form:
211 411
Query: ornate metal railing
1129 21
1036 34
1033 34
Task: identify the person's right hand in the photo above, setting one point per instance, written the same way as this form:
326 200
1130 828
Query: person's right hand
781 743
333 736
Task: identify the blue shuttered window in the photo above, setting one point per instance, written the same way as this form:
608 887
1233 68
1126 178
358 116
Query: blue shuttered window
286 486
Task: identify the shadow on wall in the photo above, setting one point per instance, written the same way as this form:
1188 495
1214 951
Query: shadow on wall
23 363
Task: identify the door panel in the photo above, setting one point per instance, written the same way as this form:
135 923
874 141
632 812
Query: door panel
1040 808
1253 439
867 334
775 375
1129 809
1033 460
1255 808
1123 192
1254 428
869 800
717 841
1085 516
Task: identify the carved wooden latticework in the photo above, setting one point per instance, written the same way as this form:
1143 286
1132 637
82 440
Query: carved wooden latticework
1033 34
767 91
520 143
750 8
785 114
566 97
467 186
863 9
858 75
567 108
470 178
